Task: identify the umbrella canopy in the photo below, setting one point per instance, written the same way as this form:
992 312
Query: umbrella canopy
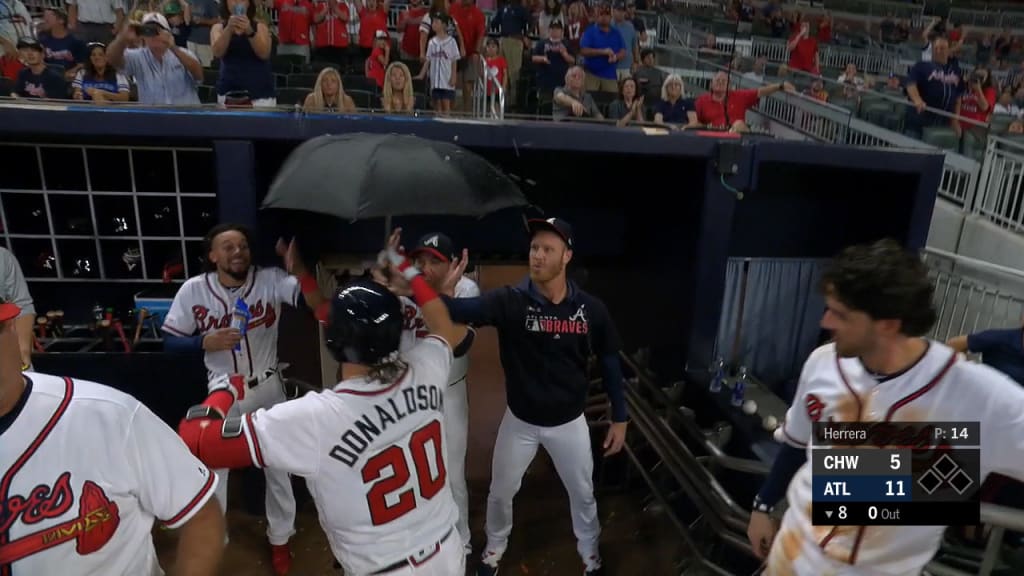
359 176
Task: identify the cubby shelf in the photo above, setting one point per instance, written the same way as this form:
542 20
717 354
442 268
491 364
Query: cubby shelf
107 213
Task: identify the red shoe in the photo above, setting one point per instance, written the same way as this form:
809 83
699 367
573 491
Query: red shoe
281 559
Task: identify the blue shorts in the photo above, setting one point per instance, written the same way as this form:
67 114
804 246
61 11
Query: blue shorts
442 94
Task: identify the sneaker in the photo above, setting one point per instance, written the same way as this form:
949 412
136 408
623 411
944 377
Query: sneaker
281 559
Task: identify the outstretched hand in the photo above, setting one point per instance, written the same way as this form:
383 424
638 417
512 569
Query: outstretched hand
289 254
455 272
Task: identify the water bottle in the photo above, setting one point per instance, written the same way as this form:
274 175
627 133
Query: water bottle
739 387
240 319
718 376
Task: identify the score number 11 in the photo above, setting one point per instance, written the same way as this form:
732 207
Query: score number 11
894 463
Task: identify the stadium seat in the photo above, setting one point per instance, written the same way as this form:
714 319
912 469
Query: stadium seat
210 76
292 96
6 86
363 98
302 80
359 82
941 137
207 94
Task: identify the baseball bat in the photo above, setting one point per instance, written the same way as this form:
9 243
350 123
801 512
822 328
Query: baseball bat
139 323
103 326
58 317
93 527
41 323
120 334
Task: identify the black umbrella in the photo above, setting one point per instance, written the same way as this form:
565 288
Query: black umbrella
360 176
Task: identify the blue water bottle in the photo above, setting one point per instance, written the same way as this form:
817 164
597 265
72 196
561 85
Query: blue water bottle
739 387
240 319
718 375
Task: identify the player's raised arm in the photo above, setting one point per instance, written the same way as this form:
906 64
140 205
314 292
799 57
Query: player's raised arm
308 287
435 313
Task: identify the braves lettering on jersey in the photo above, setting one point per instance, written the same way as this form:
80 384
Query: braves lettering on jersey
203 305
415 329
941 387
86 470
373 458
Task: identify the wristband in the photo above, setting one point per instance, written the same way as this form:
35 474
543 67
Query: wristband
422 293
308 284
760 505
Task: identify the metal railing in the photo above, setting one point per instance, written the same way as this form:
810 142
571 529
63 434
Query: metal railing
987 18
488 94
972 295
1000 197
825 122
877 8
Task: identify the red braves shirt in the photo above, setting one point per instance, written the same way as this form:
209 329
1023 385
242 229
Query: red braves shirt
713 113
802 57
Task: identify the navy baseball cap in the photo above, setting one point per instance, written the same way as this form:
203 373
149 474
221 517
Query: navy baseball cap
556 225
437 245
30 43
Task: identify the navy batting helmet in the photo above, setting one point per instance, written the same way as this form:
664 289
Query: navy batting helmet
365 325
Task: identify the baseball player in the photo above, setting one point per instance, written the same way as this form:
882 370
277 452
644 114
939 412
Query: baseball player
201 317
435 255
84 472
878 368
547 330
371 447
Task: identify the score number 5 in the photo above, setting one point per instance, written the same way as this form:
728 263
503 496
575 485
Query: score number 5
894 463
394 457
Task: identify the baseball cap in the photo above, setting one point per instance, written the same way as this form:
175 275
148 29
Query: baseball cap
435 244
172 9
156 18
380 34
8 310
556 225
31 43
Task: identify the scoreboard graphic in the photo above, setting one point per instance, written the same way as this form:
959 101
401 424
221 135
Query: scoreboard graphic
896 473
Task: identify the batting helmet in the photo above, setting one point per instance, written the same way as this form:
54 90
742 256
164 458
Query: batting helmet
365 324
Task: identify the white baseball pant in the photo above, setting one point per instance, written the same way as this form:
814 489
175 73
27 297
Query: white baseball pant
456 431
448 561
569 448
280 500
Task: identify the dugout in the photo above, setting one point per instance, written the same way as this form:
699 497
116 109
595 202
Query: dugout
657 216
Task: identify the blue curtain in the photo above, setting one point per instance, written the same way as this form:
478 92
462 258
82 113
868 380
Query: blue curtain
782 308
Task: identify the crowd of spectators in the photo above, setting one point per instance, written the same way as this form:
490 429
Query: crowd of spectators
573 60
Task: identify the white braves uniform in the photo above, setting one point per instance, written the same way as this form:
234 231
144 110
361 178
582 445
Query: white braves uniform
86 469
941 387
373 458
204 305
456 405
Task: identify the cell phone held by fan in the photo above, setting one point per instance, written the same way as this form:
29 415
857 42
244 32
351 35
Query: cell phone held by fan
240 317
238 10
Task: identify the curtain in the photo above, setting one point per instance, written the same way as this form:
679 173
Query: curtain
781 310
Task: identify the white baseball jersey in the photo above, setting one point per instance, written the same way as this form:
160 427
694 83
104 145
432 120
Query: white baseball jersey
372 456
415 329
941 387
86 469
203 305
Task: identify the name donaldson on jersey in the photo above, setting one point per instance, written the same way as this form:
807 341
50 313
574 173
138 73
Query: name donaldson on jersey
357 439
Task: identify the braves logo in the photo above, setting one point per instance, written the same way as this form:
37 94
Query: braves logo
413 322
97 520
261 315
815 407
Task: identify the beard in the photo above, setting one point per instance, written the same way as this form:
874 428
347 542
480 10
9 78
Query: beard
236 274
547 273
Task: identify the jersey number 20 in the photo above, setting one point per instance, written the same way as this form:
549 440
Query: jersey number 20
395 458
